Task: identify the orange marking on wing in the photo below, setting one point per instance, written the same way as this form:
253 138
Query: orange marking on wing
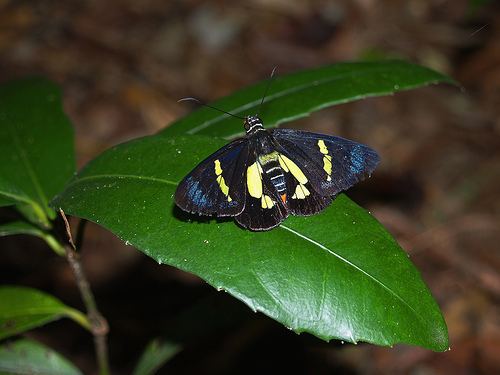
283 198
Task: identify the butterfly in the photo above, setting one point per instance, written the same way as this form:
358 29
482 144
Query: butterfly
267 175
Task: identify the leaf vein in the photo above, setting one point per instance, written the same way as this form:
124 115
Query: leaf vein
352 265
121 176
16 197
285 92
31 173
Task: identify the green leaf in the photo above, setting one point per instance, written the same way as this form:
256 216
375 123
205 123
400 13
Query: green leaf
19 227
4 201
338 274
296 95
156 354
25 308
23 227
30 357
36 138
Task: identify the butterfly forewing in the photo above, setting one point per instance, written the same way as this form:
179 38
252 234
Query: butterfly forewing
216 185
331 164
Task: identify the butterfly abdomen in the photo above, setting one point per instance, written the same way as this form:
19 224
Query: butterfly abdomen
271 167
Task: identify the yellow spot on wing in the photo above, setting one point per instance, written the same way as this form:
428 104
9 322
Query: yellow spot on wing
282 164
222 184
288 165
267 202
254 180
218 169
220 180
327 159
301 192
327 164
322 147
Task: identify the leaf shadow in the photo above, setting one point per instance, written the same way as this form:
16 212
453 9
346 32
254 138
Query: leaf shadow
200 219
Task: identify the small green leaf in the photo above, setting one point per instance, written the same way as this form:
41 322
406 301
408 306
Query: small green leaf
36 139
296 95
19 227
23 227
25 308
156 354
338 274
4 201
30 357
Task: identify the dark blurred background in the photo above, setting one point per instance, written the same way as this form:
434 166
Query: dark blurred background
124 64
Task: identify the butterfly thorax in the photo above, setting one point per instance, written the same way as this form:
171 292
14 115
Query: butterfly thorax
253 124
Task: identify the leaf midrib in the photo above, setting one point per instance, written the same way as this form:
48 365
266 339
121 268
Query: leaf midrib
377 281
303 237
17 197
26 312
289 91
120 177
31 173
276 95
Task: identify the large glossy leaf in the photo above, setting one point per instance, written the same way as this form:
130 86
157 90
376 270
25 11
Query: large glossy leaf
24 308
30 357
338 274
36 139
296 95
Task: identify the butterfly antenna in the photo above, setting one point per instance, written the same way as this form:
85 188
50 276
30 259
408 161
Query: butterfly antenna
267 89
209 106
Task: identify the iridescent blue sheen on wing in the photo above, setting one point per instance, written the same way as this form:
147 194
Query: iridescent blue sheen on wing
195 193
357 159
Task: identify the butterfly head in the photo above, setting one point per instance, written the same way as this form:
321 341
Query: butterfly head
253 124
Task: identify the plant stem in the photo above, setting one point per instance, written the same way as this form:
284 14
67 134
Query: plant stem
99 325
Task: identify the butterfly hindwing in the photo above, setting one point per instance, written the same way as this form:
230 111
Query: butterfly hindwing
331 164
216 185
301 196
262 214
303 199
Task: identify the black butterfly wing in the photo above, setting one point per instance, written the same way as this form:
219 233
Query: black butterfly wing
264 208
258 216
330 164
301 197
216 185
